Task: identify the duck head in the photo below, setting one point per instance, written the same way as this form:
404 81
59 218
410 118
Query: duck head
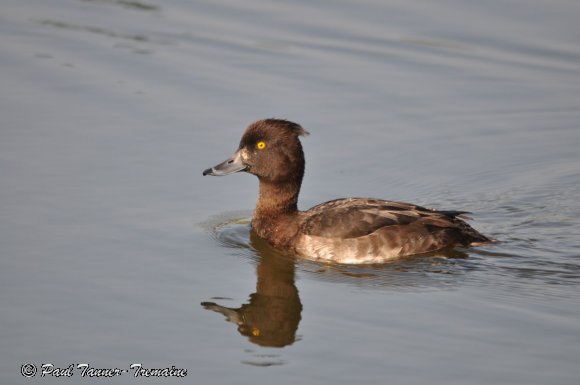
269 149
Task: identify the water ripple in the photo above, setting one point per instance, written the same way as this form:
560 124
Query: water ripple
517 263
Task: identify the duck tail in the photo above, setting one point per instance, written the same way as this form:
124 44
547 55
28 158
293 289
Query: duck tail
470 236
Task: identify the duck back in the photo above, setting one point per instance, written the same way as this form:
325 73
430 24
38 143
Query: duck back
362 230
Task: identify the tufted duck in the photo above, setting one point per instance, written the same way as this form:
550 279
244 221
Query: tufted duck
349 230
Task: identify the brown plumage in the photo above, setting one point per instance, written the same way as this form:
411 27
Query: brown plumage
349 230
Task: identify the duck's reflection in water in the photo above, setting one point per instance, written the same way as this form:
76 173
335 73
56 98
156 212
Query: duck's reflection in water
273 313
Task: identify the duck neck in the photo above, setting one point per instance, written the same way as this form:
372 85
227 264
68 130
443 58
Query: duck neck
277 199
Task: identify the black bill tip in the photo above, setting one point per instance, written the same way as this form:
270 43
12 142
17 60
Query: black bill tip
208 171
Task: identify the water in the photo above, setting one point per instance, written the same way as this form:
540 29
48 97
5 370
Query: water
115 250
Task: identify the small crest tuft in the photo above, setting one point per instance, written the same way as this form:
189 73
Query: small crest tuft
295 128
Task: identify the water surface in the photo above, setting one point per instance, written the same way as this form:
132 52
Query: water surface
115 250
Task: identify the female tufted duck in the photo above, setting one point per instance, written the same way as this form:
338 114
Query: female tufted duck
349 230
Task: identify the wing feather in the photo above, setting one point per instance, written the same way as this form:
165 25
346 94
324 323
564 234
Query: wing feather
356 217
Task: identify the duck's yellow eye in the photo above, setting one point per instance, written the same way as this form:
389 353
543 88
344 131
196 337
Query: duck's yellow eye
261 145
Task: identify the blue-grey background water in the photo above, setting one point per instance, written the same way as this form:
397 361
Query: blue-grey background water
111 239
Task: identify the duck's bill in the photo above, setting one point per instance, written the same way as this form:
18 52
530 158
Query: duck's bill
229 166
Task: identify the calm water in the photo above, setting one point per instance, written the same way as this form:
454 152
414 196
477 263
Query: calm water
115 250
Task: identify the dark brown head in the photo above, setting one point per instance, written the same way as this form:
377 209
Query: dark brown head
269 149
